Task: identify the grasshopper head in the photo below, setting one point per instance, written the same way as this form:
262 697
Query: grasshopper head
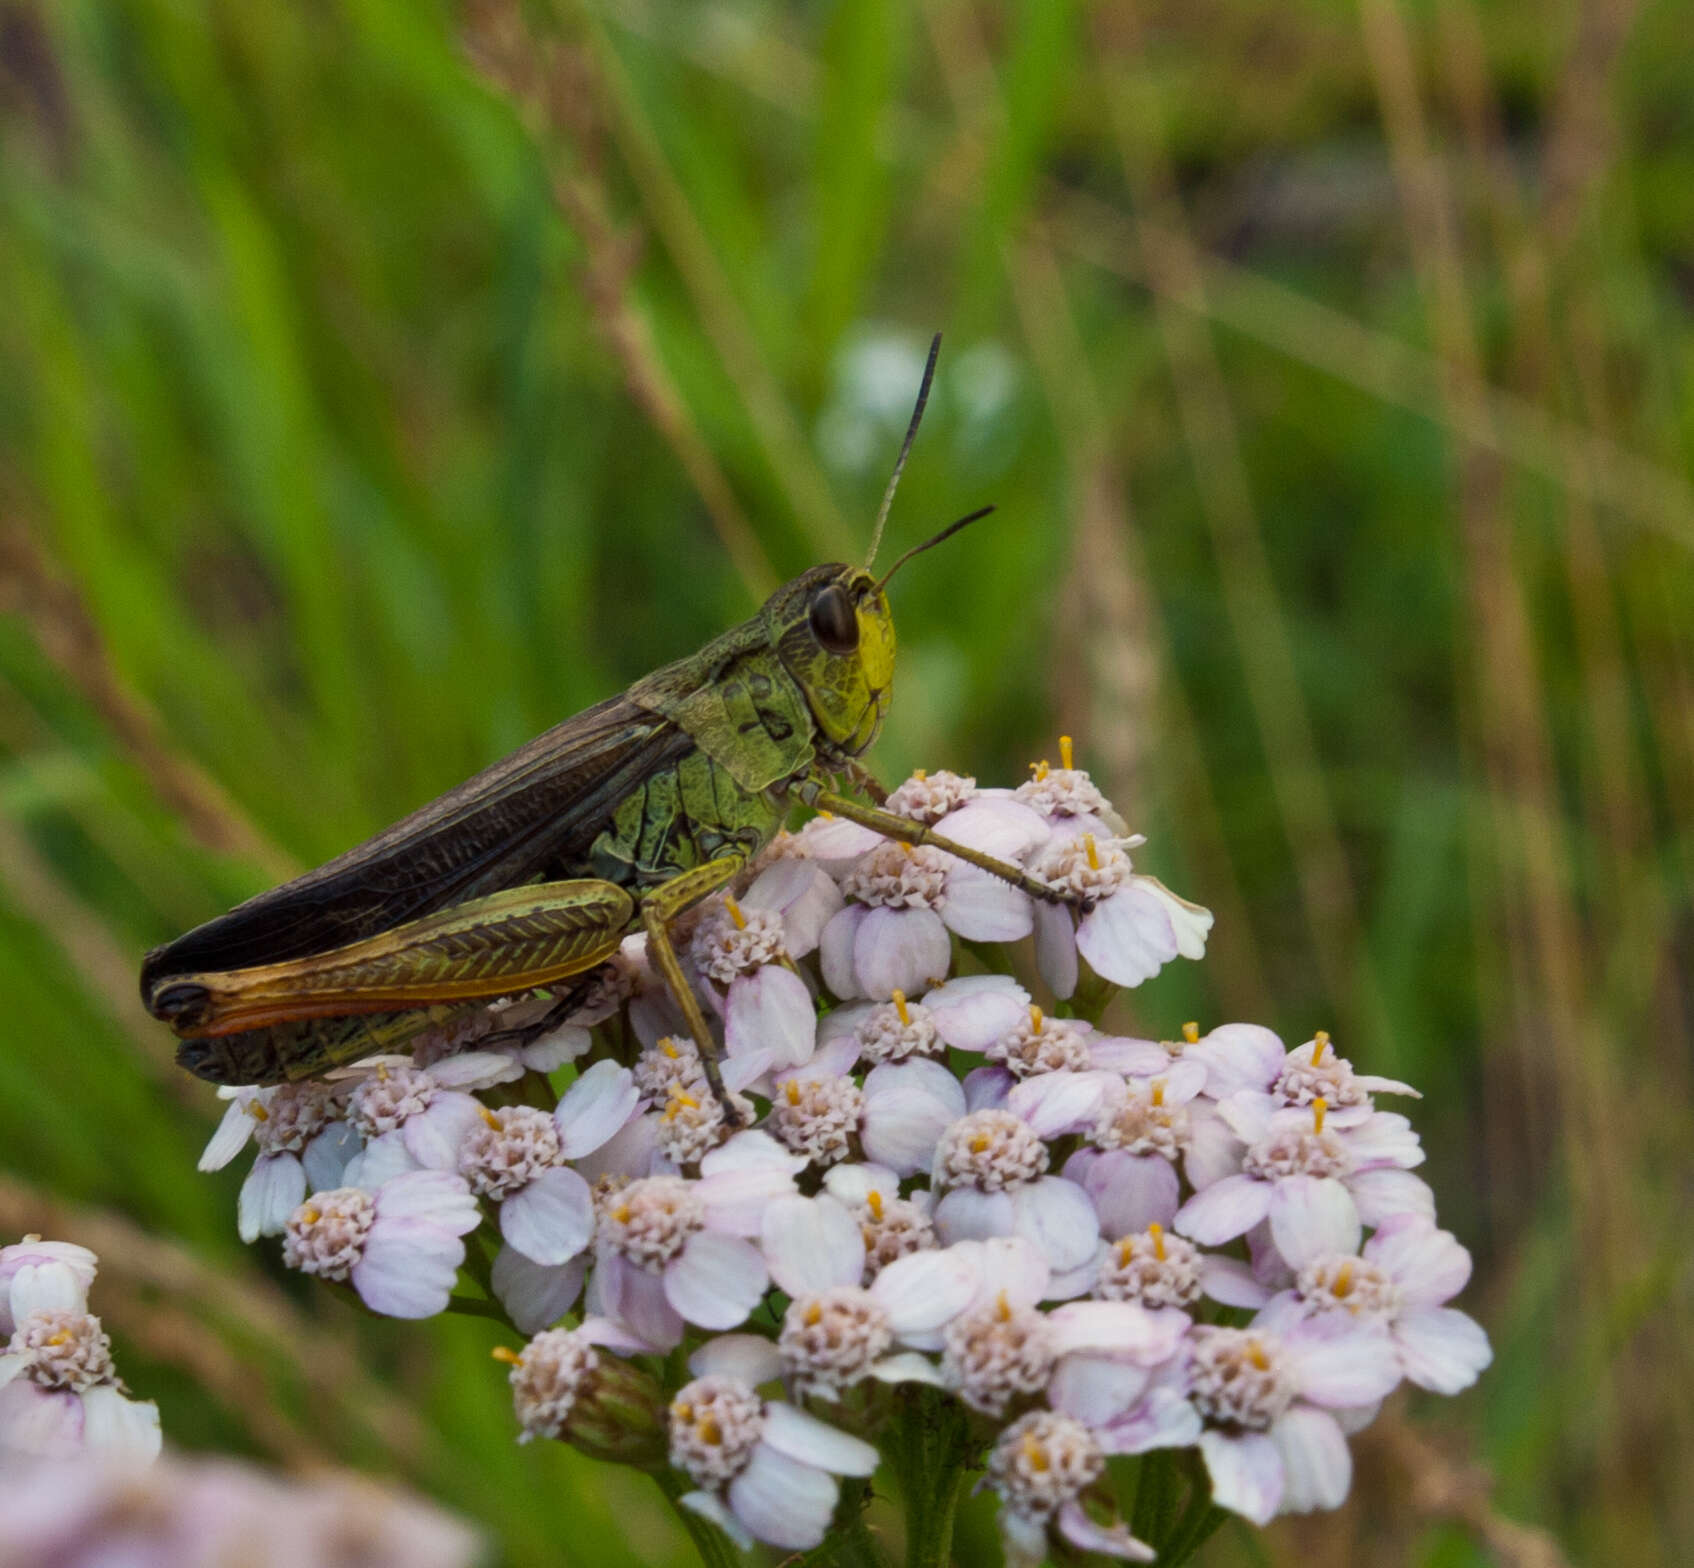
834 633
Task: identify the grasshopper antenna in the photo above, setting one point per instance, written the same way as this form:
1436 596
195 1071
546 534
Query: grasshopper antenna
933 540
905 448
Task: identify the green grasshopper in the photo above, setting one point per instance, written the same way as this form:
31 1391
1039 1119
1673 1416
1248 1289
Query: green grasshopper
534 871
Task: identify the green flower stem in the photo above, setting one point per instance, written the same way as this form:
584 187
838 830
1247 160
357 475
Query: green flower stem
932 1449
851 1545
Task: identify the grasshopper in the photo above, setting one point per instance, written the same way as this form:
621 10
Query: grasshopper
534 871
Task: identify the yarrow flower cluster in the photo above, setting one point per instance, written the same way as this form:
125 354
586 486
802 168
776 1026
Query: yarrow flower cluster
929 1188
60 1395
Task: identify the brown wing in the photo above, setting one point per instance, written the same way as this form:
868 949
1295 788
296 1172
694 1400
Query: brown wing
537 810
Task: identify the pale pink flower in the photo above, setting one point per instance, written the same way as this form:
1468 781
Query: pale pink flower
669 1250
1041 1465
1134 927
1406 1273
1271 1443
995 1169
763 1470
429 1110
303 1138
741 956
59 1394
1140 1133
1298 1171
400 1247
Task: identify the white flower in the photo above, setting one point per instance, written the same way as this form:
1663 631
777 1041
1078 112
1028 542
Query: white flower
669 1250
973 1011
995 1166
400 1248
59 1394
1041 1465
303 1140
1135 926
1271 1444
764 1471
1407 1271
1309 1179
516 1157
430 1109
895 935
1140 1132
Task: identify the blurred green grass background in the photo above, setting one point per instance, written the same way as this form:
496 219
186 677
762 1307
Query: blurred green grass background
381 382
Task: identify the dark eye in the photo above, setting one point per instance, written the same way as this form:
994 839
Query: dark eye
833 622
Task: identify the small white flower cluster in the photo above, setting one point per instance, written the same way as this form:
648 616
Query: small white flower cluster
60 1397
1095 1244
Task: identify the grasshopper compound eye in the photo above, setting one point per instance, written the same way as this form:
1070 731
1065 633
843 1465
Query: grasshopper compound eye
833 622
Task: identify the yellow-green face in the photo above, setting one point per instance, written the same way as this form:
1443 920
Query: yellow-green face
834 632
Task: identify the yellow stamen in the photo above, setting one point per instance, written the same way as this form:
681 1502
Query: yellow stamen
1034 1019
61 1338
1040 769
1158 1091
621 1215
899 1001
311 1216
708 1430
1002 1307
682 1410
1319 1106
1126 1251
1343 1285
507 1354
257 1111
735 913
873 1202
814 1315
1256 1354
1157 1232
905 846
920 774
382 1072
1065 753
1093 853
979 1144
668 1046
1320 1046
1191 1032
489 1117
828 816
1035 1454
792 1090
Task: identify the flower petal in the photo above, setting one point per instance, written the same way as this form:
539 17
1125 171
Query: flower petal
907 1107
783 1502
750 1357
1427 1264
629 1295
925 1289
771 1010
1339 1361
407 1270
1441 1349
1385 1193
716 1280
708 1506
1095 1389
123 1428
274 1188
1113 1540
835 952
982 907
1311 1216
1132 1191
551 1218
441 1200
1237 1056
811 1244
1055 948
905 950
433 1137
972 1012
595 1108
1246 1472
536 1295
803 1437
1317 1469
1225 1210
1127 937
964 1214
1059 1218
803 893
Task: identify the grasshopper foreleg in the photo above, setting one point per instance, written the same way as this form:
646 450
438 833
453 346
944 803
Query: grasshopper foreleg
658 909
907 830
